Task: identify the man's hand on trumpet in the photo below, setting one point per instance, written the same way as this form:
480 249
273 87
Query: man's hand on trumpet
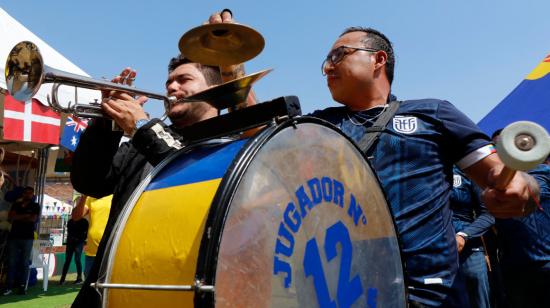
122 107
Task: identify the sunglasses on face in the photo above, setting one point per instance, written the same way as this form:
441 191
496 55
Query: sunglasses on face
339 53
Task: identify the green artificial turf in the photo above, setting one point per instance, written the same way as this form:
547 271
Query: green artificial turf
56 296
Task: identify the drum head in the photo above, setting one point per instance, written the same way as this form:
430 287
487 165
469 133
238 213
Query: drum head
306 225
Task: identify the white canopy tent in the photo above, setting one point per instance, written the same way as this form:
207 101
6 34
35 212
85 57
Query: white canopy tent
12 32
54 207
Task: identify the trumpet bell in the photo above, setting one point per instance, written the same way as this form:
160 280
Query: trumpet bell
221 44
24 71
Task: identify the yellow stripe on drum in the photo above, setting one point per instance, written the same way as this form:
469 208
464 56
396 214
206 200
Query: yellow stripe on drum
160 245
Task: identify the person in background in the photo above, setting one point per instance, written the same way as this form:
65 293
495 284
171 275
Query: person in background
97 211
23 216
524 248
77 230
471 221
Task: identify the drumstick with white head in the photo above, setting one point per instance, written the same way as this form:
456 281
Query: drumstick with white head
521 146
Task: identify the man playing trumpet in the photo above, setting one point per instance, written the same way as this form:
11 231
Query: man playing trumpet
101 167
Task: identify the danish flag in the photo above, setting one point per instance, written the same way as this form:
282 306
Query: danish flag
30 121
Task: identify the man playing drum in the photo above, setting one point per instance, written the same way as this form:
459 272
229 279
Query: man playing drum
413 159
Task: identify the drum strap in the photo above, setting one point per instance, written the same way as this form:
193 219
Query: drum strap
377 127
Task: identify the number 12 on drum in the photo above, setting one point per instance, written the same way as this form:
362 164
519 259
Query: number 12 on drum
349 289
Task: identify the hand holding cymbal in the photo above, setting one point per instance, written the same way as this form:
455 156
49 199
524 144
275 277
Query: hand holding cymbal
221 44
225 44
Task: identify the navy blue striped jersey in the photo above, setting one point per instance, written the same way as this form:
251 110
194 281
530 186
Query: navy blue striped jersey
525 242
469 213
413 159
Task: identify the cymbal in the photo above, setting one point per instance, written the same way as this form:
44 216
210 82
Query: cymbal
230 93
221 44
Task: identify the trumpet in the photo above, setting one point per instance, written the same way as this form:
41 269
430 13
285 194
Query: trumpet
26 72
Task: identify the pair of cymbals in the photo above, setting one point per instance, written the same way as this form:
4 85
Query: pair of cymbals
223 45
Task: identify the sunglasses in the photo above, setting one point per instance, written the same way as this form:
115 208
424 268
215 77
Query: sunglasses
338 54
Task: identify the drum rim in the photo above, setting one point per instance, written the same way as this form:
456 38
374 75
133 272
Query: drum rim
114 238
210 242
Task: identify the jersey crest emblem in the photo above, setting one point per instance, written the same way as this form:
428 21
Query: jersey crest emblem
405 125
457 180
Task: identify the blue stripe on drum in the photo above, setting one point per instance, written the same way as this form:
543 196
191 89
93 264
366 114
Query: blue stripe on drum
202 164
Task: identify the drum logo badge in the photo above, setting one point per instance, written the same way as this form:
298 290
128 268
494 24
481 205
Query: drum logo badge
457 180
405 125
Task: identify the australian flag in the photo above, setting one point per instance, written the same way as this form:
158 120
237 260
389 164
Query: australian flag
72 131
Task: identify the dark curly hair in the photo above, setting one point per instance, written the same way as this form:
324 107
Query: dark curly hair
211 73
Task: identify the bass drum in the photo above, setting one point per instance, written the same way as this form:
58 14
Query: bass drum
293 217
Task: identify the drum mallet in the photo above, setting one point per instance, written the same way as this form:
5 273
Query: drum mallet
521 146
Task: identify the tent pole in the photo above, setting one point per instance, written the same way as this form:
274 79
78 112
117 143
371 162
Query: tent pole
41 179
17 177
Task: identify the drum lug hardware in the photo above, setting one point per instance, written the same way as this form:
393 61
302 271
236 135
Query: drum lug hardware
280 119
201 288
198 287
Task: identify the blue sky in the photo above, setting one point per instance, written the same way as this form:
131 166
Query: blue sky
472 53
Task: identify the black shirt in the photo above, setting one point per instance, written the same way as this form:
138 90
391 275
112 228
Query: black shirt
77 230
23 229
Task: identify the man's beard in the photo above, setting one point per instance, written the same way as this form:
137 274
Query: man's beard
190 115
